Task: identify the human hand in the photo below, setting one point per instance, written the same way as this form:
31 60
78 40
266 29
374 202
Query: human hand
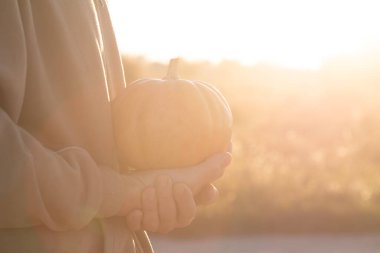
171 197
165 206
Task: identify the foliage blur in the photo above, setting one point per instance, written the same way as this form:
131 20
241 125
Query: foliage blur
306 145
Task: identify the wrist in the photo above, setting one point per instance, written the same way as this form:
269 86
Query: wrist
121 194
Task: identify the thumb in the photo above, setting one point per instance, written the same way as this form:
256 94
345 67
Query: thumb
206 172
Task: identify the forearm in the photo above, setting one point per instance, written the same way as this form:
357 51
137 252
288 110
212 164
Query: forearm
62 190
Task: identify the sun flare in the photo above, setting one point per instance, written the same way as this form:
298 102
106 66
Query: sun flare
293 33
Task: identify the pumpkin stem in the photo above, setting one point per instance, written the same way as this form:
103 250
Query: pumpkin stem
172 70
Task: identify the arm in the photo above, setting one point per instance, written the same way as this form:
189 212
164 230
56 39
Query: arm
61 190
66 189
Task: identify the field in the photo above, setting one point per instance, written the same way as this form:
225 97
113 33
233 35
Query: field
306 146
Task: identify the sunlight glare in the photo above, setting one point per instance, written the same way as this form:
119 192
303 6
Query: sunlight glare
293 33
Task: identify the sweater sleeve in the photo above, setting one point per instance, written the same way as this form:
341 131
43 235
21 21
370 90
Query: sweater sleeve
62 189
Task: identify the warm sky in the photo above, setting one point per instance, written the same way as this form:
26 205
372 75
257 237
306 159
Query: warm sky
294 33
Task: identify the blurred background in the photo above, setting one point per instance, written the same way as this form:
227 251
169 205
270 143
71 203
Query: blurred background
303 82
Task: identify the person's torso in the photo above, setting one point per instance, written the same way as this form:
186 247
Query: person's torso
69 60
73 70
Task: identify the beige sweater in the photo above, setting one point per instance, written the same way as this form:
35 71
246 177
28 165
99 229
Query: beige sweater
59 188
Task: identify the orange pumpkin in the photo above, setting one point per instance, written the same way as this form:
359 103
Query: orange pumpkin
170 122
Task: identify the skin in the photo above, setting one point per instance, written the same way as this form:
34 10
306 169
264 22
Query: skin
169 198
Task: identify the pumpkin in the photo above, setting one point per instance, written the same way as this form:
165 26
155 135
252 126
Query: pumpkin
170 122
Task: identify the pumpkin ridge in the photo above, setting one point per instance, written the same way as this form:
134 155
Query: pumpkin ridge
220 97
218 111
208 116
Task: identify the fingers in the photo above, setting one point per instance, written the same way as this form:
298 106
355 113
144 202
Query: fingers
196 177
134 220
206 172
150 220
213 168
147 218
186 207
229 148
158 207
166 205
208 195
